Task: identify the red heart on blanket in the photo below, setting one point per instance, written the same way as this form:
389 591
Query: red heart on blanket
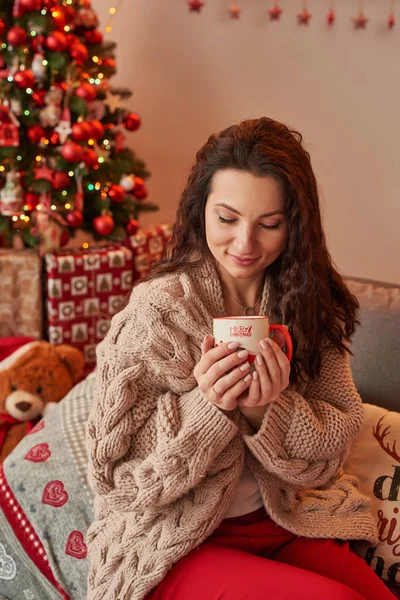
54 494
37 427
76 547
38 453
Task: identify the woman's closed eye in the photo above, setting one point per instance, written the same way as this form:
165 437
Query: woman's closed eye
263 225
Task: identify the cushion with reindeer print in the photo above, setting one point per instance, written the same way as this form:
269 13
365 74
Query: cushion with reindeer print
375 459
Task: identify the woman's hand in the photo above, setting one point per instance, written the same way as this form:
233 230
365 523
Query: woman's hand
270 378
222 373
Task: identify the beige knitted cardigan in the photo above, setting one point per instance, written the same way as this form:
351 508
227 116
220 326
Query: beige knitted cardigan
164 461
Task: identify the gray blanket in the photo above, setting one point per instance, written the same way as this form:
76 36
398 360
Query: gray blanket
46 506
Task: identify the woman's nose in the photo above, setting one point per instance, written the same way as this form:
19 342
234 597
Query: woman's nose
244 242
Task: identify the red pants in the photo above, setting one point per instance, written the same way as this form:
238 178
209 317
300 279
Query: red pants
252 558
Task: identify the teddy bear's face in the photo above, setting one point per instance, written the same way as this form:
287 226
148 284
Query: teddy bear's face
23 405
30 392
41 377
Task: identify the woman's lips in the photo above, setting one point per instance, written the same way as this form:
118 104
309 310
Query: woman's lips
242 262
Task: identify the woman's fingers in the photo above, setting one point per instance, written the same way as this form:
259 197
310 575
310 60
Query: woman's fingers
272 367
207 344
253 396
230 379
218 372
283 364
265 382
229 400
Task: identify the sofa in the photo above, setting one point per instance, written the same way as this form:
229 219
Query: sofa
46 503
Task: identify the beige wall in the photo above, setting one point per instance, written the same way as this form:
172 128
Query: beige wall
196 74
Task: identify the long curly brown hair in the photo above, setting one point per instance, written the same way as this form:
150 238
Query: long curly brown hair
310 296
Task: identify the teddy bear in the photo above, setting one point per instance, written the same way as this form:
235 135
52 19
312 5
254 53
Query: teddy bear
32 380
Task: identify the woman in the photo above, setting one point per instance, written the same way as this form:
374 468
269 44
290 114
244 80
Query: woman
212 482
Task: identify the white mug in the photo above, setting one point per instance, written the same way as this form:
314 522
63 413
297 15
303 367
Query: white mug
248 332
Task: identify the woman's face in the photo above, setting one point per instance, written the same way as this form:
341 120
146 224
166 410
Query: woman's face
245 220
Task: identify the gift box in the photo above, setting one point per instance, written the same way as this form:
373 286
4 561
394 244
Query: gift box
21 300
84 289
147 247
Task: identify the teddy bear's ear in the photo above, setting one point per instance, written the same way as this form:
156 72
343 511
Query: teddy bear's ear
72 358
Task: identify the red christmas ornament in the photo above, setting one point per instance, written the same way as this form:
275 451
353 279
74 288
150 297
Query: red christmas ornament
116 193
59 17
132 227
44 173
72 152
55 138
81 131
275 13
139 185
17 36
195 5
303 17
75 218
72 40
87 91
69 11
37 42
60 180
2 27
79 53
29 5
360 22
141 195
391 21
35 134
90 158
131 121
93 36
96 129
24 79
31 200
234 10
56 41
38 97
104 224
65 237
330 19
109 63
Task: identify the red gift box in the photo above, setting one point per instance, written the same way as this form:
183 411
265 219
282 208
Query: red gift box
147 246
84 289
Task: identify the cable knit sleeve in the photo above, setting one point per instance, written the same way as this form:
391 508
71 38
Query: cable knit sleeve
305 440
152 435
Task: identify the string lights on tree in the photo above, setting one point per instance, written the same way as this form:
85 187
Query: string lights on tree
63 151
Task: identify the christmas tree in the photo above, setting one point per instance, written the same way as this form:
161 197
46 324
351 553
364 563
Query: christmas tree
64 164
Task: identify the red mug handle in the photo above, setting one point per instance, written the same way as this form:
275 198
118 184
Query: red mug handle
288 339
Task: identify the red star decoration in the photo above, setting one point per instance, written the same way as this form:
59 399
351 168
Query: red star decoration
275 13
391 21
330 19
234 11
304 17
195 5
360 22
44 173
